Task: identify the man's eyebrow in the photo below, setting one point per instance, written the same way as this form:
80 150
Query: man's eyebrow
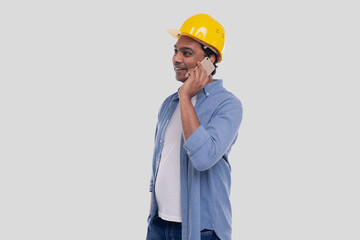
184 48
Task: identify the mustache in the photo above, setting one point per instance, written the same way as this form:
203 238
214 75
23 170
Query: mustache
180 66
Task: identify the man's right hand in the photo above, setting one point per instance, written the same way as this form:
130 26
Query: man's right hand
197 79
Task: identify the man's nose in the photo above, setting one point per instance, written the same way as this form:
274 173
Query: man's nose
177 58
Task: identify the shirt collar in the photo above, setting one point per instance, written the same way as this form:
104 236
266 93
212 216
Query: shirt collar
212 87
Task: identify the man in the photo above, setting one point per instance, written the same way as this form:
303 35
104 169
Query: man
196 128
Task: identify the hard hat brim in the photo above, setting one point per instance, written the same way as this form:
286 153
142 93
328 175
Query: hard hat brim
174 32
177 33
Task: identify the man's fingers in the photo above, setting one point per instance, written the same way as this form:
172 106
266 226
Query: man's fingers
191 72
198 75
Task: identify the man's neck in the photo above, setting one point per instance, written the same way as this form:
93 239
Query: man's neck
210 79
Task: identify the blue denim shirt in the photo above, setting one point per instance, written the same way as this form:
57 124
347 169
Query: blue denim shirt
204 163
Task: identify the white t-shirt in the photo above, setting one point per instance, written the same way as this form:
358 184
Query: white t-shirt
167 186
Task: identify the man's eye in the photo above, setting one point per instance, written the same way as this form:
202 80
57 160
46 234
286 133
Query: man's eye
187 53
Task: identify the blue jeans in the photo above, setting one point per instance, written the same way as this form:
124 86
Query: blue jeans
160 229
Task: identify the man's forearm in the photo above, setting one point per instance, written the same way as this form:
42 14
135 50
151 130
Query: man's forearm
189 119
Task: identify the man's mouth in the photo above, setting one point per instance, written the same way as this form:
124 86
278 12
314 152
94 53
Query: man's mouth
179 69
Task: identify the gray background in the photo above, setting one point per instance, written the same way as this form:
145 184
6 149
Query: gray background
81 85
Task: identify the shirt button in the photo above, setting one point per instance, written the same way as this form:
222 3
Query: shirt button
161 140
207 94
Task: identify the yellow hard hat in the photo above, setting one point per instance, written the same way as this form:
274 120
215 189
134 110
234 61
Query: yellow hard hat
204 28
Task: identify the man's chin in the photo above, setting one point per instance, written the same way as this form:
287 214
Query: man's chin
180 78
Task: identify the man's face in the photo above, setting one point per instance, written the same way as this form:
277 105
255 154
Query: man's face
187 53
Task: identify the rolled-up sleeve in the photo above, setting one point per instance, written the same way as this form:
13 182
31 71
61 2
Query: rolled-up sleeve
207 144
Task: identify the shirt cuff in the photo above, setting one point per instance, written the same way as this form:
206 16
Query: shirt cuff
196 140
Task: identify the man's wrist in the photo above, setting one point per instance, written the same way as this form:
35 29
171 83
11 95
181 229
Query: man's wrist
184 96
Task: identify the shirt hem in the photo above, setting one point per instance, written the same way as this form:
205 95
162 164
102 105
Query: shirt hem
169 218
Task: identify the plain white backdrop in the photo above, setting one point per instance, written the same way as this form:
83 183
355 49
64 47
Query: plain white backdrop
81 83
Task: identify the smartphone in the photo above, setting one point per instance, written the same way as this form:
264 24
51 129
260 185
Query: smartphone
208 65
